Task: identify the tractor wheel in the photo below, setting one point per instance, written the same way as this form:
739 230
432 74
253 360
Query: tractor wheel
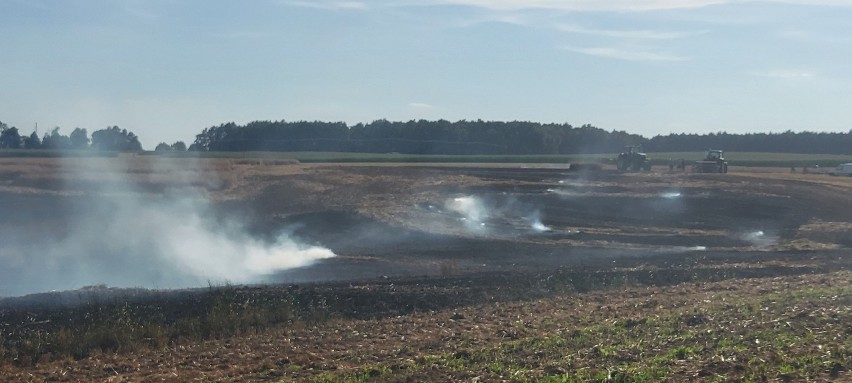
724 168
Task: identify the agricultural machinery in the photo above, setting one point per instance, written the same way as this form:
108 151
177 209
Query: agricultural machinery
632 159
713 162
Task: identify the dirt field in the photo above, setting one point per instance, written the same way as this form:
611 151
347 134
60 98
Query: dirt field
472 273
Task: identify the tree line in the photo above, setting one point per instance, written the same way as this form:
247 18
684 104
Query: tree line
493 137
784 142
432 137
413 137
109 139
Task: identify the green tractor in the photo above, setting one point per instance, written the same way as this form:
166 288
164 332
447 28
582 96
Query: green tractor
714 162
632 159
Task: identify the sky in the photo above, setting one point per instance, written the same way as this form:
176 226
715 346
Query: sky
166 69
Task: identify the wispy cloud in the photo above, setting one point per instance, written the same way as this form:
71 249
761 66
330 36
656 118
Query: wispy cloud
784 74
626 54
329 5
498 17
622 34
350 5
617 5
830 3
420 105
811 37
585 5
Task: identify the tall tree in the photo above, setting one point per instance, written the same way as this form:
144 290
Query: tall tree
54 140
10 138
32 141
115 139
163 147
79 138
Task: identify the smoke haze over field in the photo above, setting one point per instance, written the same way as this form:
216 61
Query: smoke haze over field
479 215
121 235
473 212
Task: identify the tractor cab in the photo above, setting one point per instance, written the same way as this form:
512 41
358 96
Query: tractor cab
633 149
714 155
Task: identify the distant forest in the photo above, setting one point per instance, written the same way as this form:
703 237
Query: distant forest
433 137
111 139
493 137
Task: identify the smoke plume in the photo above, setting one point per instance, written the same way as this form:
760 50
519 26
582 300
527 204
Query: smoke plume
536 224
472 210
759 238
123 234
504 216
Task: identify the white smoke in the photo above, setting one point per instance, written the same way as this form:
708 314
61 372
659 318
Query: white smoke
123 235
570 188
502 217
759 238
536 224
681 249
563 192
472 210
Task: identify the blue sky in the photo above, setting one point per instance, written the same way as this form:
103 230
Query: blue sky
166 69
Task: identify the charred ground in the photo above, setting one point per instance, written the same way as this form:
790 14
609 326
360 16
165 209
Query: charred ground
401 218
464 272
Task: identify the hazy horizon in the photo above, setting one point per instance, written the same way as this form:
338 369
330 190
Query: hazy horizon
166 70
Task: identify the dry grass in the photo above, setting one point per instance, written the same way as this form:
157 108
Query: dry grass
774 328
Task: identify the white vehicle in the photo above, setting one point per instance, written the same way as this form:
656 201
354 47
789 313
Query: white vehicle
842 170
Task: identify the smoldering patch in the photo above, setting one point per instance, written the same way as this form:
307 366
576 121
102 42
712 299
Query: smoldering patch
758 238
471 210
671 195
536 223
120 232
499 216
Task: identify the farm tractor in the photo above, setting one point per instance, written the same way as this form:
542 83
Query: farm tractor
714 162
632 159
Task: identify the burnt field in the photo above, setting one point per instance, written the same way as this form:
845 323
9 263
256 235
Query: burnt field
413 273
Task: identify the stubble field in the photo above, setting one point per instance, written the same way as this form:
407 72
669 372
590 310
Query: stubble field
443 273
